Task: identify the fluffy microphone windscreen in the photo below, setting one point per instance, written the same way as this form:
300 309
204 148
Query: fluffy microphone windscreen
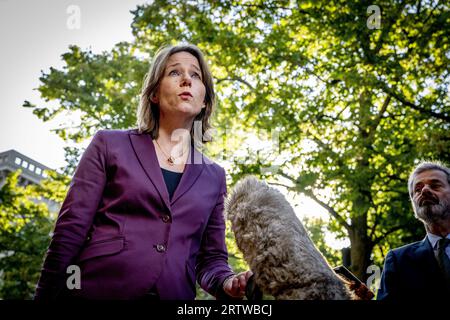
276 246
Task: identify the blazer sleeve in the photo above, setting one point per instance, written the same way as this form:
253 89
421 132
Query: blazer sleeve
388 285
75 218
212 260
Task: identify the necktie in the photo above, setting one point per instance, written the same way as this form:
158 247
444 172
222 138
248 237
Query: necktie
443 260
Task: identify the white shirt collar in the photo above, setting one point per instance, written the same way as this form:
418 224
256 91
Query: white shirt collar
434 239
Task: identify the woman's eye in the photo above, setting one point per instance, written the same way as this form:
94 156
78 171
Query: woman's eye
195 75
174 73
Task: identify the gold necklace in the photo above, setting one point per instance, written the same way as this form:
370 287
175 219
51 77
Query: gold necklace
170 159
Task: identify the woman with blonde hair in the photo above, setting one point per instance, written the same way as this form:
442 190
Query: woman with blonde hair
143 217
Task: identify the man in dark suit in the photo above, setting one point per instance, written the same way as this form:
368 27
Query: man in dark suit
421 270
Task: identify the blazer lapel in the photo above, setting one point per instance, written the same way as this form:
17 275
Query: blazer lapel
192 171
425 256
146 154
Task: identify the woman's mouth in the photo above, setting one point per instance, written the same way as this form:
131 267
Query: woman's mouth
185 95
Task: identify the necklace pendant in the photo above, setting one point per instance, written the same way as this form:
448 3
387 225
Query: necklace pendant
170 160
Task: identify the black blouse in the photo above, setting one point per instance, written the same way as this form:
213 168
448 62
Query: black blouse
171 179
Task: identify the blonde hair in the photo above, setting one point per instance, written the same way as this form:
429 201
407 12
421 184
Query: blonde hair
148 111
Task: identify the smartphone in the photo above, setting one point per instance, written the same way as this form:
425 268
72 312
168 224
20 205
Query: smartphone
347 274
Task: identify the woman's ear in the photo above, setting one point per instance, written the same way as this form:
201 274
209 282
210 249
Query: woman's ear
154 98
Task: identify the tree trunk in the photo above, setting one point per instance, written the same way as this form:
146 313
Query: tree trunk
360 252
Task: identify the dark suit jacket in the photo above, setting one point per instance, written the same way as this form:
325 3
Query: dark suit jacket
412 272
119 226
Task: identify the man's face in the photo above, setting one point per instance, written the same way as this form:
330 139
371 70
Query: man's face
431 196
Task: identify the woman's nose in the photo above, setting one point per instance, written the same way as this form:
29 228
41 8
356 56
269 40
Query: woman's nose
186 80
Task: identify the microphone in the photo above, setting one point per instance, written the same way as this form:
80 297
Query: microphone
285 262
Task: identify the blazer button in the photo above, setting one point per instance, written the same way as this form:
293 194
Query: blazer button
165 218
160 248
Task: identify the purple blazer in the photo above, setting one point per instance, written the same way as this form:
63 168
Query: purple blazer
119 226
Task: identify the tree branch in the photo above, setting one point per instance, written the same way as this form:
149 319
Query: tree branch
236 79
279 184
383 256
288 177
414 106
385 234
375 224
387 29
327 147
333 212
318 77
265 6
310 194
382 110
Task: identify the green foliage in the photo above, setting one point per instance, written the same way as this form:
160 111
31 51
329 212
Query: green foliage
235 258
355 107
25 227
102 88
317 229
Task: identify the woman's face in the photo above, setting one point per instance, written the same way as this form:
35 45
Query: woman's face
181 91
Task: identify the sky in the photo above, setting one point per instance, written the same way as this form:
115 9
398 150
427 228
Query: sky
34 34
